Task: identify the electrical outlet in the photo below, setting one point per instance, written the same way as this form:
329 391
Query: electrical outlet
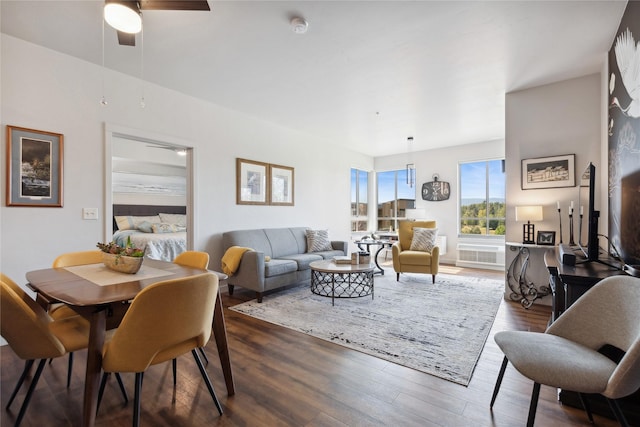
89 213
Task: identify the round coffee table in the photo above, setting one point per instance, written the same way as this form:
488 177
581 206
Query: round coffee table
329 279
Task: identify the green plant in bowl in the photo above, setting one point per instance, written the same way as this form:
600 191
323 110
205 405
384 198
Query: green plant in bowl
113 254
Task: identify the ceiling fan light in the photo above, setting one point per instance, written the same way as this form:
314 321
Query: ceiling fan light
122 18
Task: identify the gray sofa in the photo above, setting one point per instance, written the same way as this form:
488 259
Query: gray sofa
288 258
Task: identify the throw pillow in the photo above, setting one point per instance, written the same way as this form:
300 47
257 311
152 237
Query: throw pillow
145 227
318 241
161 227
177 219
424 239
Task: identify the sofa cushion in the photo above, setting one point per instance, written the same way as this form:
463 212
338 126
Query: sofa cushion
303 260
329 254
285 241
276 267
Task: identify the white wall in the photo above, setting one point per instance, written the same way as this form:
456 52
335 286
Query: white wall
444 162
556 119
46 90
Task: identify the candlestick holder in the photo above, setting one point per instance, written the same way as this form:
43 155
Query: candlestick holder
580 230
571 242
560 221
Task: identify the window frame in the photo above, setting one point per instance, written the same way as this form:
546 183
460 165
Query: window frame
487 198
358 218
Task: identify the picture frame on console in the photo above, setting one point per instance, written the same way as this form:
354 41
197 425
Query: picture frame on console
282 181
252 185
546 238
549 172
34 167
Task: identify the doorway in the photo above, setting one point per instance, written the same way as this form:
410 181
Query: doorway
143 168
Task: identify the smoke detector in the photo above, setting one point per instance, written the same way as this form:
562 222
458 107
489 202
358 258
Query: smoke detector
299 25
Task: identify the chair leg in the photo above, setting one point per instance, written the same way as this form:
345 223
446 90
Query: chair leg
136 399
534 404
397 277
122 389
433 279
207 381
27 367
503 368
230 288
586 406
174 364
103 383
69 370
32 387
204 356
617 411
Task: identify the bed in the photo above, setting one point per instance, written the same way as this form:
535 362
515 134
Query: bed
160 230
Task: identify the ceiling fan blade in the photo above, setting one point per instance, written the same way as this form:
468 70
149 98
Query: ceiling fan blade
174 5
126 39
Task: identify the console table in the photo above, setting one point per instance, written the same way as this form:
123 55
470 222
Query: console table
568 283
522 289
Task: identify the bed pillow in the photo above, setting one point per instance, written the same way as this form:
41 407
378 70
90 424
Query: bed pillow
162 227
145 227
131 222
318 241
424 239
177 219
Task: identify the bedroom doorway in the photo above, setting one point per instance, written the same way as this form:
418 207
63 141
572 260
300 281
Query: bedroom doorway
143 169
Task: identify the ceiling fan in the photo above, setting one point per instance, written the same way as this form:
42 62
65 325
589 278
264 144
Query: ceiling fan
125 15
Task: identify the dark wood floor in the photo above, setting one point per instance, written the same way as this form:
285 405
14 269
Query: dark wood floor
286 378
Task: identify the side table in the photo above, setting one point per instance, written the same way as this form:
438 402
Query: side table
368 243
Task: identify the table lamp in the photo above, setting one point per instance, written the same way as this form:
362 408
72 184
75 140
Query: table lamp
414 214
528 213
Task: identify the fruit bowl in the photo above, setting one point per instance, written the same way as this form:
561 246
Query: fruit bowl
122 263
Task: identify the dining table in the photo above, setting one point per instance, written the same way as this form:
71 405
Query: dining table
102 296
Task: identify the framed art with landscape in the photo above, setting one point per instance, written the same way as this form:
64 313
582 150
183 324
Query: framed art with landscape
34 167
281 185
251 182
549 172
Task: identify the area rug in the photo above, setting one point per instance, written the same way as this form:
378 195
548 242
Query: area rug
439 329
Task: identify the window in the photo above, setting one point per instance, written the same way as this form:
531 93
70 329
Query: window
359 207
395 196
482 198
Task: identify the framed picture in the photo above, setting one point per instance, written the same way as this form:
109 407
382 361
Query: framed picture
34 167
546 238
549 172
251 182
281 185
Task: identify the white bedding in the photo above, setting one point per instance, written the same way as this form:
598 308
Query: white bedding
161 246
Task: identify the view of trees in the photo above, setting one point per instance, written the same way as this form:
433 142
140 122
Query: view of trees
474 218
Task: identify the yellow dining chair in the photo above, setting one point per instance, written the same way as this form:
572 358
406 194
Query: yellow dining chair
165 320
62 311
32 334
194 259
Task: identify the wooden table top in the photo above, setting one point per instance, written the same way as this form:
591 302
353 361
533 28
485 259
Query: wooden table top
62 285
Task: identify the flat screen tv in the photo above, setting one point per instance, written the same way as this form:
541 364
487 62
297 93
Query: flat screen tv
588 216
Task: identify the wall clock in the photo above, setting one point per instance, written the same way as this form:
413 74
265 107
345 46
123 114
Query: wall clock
436 191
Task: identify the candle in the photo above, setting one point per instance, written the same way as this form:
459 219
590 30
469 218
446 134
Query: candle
558 202
581 210
571 205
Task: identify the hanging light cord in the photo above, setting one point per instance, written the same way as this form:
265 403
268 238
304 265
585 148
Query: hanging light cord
142 102
103 100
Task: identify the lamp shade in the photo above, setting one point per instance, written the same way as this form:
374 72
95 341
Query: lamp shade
122 17
528 213
415 213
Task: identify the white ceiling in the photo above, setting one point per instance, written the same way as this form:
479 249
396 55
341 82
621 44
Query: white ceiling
366 75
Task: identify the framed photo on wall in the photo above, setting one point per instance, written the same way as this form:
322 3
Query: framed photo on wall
281 185
549 172
34 167
251 182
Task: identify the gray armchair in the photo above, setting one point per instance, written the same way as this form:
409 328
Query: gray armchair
566 356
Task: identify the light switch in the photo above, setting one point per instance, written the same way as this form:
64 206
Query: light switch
89 213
